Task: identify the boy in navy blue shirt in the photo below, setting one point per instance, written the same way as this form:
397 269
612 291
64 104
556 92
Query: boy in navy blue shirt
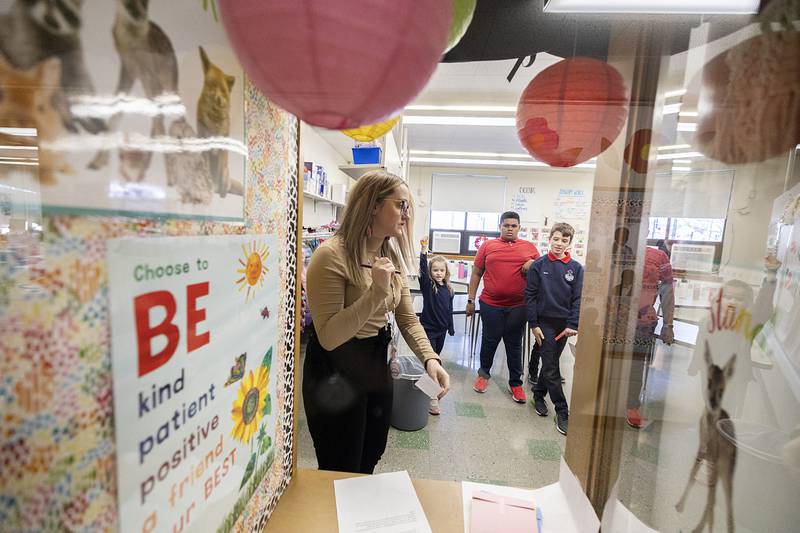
553 302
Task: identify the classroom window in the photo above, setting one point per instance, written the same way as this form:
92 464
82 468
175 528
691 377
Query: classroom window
657 228
697 229
464 228
447 220
483 221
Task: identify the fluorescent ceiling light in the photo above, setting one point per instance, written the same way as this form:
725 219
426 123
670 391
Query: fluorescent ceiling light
16 189
468 108
672 94
675 7
484 162
681 161
9 158
688 114
17 147
19 132
679 155
469 154
687 126
14 163
671 109
460 121
681 169
673 147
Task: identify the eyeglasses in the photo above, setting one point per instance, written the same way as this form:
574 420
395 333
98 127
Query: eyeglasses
402 203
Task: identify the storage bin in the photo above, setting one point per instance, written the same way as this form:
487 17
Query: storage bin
409 405
366 155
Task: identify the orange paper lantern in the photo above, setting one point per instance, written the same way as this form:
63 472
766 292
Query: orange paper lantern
571 111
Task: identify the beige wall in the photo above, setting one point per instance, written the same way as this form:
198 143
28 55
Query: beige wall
548 182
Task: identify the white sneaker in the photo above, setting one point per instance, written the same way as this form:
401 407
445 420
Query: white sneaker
434 407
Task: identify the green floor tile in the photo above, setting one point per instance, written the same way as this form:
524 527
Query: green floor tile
413 440
502 385
453 368
474 410
547 450
478 479
645 452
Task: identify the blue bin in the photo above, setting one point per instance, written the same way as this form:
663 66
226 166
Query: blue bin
367 155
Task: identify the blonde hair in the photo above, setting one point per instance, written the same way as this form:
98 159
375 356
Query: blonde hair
440 259
370 190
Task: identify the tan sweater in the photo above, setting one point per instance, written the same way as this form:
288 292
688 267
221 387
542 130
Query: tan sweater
341 310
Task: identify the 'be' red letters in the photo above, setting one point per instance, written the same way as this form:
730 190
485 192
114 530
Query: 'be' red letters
145 332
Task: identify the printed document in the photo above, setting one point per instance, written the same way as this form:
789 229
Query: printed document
381 503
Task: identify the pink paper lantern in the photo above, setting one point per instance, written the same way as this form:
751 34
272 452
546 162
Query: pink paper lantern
571 111
338 64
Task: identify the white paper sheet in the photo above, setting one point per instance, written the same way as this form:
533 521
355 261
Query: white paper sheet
381 503
427 385
565 508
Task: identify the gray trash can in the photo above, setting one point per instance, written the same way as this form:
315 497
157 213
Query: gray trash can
409 405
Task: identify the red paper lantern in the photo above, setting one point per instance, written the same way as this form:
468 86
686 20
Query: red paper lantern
338 64
571 111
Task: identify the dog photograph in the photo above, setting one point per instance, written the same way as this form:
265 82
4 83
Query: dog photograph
124 105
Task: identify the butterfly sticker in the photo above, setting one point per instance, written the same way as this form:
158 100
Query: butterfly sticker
237 370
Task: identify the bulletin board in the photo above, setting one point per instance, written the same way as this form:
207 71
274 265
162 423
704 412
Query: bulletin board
62 373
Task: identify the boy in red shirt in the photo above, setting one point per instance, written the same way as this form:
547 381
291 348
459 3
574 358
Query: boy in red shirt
503 263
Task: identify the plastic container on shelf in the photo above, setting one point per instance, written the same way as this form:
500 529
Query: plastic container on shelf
409 405
366 155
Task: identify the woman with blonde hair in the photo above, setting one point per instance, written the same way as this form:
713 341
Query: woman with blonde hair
356 281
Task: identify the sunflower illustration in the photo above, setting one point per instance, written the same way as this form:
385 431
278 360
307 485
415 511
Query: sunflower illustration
247 407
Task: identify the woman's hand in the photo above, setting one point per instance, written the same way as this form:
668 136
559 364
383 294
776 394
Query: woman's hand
437 372
382 272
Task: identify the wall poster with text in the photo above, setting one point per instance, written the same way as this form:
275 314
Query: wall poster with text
193 326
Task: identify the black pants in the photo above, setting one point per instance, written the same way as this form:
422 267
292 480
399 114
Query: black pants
643 344
506 324
347 394
533 362
436 340
550 352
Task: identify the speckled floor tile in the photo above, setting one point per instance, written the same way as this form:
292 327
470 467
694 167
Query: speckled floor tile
544 450
416 440
474 410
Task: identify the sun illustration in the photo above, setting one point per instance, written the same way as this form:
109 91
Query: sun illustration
247 407
253 267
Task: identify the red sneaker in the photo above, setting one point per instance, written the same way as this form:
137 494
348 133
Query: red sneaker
480 384
634 419
518 393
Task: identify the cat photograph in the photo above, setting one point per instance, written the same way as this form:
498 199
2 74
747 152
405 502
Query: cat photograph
147 56
111 88
27 101
36 30
213 120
